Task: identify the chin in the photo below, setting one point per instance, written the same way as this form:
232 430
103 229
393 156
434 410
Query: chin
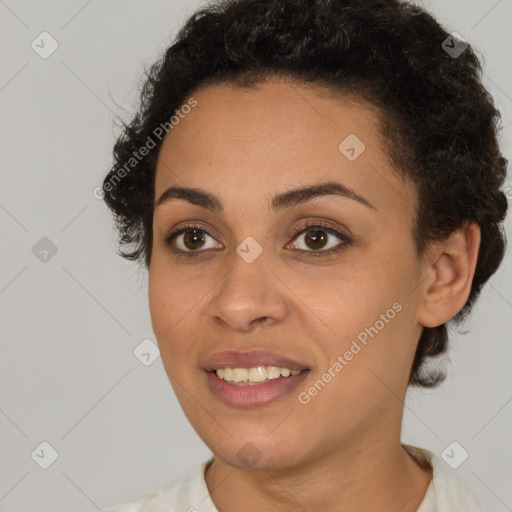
258 453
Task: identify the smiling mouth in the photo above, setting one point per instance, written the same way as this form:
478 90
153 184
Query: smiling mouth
254 376
246 393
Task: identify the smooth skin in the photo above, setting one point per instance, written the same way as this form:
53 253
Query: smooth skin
341 451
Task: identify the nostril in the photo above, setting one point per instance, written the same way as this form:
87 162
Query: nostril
262 320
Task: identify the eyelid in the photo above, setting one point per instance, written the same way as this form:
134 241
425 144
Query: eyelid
319 224
169 237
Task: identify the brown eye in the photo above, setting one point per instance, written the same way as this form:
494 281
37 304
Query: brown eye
320 240
315 239
191 239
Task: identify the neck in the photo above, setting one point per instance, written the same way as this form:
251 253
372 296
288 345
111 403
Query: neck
369 476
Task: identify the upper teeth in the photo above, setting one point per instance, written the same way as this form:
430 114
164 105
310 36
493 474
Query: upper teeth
256 374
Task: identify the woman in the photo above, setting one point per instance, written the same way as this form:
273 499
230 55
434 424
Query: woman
314 188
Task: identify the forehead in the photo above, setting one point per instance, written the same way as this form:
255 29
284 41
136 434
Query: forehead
277 135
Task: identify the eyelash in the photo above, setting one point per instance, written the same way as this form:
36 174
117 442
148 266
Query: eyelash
319 225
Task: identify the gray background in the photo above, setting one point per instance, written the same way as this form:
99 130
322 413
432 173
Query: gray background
70 324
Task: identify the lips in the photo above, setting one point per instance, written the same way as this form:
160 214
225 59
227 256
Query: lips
250 359
259 395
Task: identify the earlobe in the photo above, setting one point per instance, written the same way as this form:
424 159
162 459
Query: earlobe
450 268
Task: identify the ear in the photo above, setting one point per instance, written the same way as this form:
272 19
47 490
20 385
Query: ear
449 267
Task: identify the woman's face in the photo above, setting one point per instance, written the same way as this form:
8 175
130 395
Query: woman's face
339 301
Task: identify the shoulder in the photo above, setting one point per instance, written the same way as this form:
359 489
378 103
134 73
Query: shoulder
188 494
446 491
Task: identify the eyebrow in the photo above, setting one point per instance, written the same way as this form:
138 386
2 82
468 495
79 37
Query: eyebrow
282 201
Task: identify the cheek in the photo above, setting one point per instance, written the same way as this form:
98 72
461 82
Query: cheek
350 302
363 378
175 306
170 298
370 315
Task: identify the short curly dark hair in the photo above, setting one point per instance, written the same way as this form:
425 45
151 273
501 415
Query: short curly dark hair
440 122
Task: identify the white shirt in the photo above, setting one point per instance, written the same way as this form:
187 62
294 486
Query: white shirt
445 493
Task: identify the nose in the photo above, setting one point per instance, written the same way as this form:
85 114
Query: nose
248 296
